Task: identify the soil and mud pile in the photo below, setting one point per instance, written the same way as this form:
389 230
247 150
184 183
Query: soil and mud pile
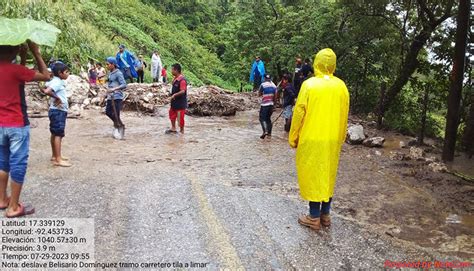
144 98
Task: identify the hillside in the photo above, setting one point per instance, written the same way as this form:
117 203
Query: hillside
94 29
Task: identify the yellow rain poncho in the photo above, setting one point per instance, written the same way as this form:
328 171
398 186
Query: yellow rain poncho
318 129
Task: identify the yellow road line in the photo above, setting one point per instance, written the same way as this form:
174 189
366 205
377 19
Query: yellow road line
219 239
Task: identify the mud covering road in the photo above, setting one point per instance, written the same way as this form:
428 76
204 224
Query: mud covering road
220 195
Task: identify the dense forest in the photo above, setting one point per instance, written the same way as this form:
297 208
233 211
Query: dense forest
396 56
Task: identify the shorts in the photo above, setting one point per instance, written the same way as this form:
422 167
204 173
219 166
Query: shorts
57 122
288 112
14 151
177 113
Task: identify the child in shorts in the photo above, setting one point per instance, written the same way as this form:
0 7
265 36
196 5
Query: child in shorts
57 114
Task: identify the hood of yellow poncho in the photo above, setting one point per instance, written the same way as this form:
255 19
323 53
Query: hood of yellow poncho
324 62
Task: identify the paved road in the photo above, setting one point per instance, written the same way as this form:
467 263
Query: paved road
217 196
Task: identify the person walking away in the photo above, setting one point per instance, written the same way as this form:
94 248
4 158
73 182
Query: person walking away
318 131
288 101
116 86
57 114
156 66
14 124
179 100
101 74
164 74
268 91
141 66
257 73
126 63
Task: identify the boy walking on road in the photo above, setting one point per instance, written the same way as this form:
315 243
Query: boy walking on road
14 125
58 109
179 100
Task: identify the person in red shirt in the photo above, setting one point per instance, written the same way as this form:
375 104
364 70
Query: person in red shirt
14 124
179 100
164 74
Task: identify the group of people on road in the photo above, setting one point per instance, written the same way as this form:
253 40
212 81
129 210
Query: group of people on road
317 130
287 89
316 109
14 123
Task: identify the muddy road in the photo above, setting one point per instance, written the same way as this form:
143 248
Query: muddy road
222 196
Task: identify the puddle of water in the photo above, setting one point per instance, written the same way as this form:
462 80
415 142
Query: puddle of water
392 143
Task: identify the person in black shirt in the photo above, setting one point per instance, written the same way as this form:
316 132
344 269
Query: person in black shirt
289 97
179 100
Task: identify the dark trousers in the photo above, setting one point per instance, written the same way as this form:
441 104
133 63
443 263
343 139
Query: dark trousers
256 83
316 208
141 74
265 119
109 111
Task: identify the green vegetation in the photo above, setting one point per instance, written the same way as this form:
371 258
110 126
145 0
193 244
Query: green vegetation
407 45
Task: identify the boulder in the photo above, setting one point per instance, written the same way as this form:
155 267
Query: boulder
438 167
403 145
416 153
374 142
397 156
355 134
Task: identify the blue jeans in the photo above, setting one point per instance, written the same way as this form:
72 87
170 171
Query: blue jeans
14 151
316 208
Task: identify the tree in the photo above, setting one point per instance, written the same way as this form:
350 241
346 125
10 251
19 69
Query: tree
428 20
455 91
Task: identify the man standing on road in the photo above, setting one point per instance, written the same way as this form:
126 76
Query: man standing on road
257 73
318 131
126 63
179 100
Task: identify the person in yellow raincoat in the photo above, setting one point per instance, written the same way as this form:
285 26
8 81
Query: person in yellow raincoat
318 131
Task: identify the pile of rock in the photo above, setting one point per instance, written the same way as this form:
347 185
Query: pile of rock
356 135
144 98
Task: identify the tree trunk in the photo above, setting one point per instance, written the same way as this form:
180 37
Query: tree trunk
429 24
468 140
383 87
424 112
455 90
411 63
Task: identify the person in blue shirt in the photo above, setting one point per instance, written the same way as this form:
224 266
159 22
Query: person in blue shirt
257 73
116 85
126 62
56 89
